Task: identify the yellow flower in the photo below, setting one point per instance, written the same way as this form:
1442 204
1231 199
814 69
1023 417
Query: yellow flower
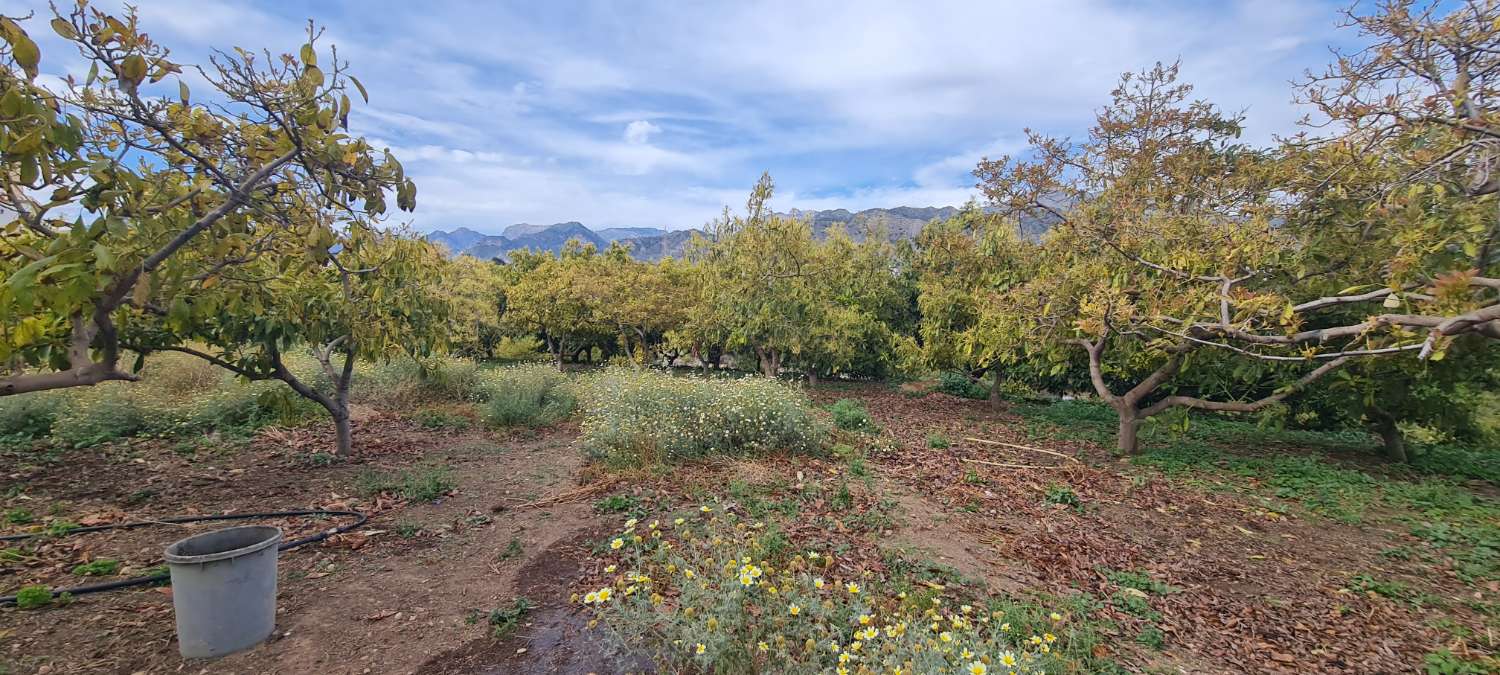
762 646
818 582
704 509
700 648
617 543
833 646
1005 626
631 523
655 523
679 521
1008 659
1049 637
1055 617
977 668
864 619
852 587
794 610
966 654
841 670
945 636
844 657
687 573
591 598
604 594
1035 639
747 580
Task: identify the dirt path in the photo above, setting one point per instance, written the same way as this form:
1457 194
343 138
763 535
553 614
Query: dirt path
374 601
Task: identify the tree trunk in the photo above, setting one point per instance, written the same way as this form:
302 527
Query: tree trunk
812 376
343 432
1127 439
1392 438
995 401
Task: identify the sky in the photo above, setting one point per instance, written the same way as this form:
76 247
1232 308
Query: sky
658 113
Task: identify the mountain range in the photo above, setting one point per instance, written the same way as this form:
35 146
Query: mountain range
653 243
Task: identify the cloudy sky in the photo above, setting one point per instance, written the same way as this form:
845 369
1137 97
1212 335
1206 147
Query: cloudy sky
661 113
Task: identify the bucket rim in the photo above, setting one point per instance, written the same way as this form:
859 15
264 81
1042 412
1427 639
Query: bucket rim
272 536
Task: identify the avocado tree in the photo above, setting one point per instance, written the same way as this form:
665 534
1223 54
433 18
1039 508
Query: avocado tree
133 196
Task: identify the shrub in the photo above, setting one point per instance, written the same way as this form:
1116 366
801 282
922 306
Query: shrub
717 599
850 415
648 417
959 384
529 395
937 441
29 416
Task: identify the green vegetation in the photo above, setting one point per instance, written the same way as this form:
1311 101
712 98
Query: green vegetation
503 620
33 597
959 384
99 567
850 415
743 607
644 418
418 485
528 395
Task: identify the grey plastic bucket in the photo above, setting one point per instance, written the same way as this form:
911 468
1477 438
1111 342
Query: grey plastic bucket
224 589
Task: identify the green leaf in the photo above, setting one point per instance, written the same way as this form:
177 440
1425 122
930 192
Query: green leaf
25 52
182 91
363 94
313 76
63 28
309 56
133 68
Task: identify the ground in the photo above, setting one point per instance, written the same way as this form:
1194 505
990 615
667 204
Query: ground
1189 568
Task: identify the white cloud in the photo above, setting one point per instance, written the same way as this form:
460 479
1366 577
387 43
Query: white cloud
640 131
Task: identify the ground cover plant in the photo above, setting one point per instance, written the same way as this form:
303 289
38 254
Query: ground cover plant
645 418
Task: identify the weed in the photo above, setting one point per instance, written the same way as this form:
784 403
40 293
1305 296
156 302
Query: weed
959 384
1140 581
60 528
937 441
418 485
320 459
1064 496
850 415
433 418
618 504
504 620
528 395
1152 637
1394 590
99 567
408 529
33 597
19 516
512 550
1135 602
642 418
859 468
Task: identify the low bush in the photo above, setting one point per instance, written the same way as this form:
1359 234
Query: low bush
29 416
527 395
959 384
648 417
705 592
850 415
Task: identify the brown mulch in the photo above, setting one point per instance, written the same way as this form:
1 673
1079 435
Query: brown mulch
1260 590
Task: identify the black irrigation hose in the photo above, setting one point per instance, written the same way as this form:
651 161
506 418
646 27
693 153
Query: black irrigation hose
359 519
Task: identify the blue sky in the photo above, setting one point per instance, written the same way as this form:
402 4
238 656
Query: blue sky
661 113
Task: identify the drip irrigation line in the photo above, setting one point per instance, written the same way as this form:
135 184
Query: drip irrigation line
359 519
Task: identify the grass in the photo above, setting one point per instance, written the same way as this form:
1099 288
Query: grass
419 485
527 395
646 418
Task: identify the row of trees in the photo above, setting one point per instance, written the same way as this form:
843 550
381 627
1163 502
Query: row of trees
1349 270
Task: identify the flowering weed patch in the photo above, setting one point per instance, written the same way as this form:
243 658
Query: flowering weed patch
707 590
647 418
529 395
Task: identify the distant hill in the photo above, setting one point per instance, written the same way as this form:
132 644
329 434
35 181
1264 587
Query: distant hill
654 243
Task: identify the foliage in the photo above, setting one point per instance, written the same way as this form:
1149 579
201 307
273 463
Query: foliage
959 384
850 415
503 620
33 597
99 567
704 591
647 418
256 180
529 395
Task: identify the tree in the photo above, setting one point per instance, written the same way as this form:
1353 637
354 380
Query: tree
1177 238
476 295
770 288
132 196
